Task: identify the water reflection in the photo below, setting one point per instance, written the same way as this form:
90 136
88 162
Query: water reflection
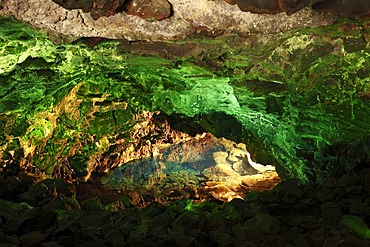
188 169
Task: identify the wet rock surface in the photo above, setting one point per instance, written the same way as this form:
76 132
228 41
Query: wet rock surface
60 215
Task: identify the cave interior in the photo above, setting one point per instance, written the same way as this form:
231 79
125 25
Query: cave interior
211 138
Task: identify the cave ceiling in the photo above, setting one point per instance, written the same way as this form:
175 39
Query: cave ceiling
158 20
161 19
161 9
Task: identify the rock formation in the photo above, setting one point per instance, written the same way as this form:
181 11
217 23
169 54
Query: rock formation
184 113
210 18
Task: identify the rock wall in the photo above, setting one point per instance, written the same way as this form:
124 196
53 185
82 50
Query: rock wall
188 19
298 100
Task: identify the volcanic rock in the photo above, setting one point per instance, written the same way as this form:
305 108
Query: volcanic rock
331 212
85 5
97 8
149 9
344 8
34 238
209 17
105 8
272 7
338 7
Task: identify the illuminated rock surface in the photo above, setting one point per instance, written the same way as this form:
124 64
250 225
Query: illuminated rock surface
298 100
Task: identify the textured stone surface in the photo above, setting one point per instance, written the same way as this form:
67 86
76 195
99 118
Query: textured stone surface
301 96
345 8
149 9
188 19
272 6
85 5
262 219
339 7
263 91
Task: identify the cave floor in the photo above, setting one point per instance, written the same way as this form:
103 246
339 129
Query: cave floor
54 212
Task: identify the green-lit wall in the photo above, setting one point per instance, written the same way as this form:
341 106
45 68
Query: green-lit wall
299 100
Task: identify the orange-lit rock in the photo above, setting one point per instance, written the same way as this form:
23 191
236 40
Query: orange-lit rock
201 168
